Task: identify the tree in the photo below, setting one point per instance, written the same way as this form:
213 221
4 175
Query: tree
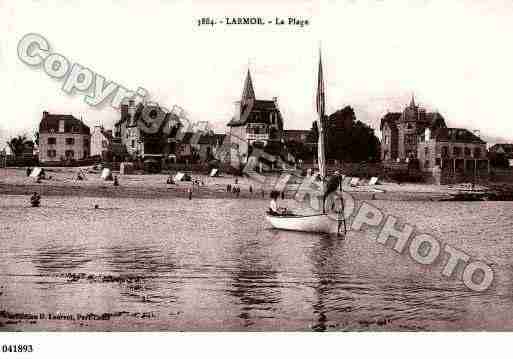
347 139
18 144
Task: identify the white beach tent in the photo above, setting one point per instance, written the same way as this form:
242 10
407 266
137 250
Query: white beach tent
214 172
354 181
36 171
106 174
373 181
179 176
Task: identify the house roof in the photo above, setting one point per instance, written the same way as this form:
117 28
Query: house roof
430 119
258 105
50 123
461 135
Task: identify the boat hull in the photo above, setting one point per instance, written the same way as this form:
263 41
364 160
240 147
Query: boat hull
318 223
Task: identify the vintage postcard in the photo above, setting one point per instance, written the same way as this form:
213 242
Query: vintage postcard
218 166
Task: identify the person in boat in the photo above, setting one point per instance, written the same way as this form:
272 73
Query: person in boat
273 206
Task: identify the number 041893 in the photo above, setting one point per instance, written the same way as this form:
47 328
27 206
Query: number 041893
17 348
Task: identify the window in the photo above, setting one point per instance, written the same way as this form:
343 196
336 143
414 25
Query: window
85 154
456 151
52 141
410 139
86 142
467 151
409 126
426 164
69 154
445 151
426 151
477 152
438 161
70 141
75 129
51 153
133 143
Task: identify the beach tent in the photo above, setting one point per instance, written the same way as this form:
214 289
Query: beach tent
106 174
354 181
214 172
179 176
81 173
36 171
373 181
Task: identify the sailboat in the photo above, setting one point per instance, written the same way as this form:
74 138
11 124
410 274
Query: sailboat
319 222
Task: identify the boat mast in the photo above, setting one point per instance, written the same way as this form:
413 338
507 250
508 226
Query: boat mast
321 99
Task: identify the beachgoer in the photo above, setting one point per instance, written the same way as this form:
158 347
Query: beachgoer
250 189
228 187
29 170
116 183
35 199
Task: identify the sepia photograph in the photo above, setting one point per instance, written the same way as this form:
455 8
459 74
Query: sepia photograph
240 167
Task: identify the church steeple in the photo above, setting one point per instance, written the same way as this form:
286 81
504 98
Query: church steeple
412 101
247 92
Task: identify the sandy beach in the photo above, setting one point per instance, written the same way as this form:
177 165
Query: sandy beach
63 182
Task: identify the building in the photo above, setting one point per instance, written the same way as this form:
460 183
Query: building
144 140
255 122
400 131
101 141
454 151
298 136
63 138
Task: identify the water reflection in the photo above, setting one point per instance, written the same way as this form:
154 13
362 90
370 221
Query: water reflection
52 259
254 283
326 270
147 272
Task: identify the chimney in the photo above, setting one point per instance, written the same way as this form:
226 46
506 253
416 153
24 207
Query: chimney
45 114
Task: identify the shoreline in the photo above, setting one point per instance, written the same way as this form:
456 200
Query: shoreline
13 181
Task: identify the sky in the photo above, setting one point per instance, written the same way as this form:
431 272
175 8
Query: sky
455 56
